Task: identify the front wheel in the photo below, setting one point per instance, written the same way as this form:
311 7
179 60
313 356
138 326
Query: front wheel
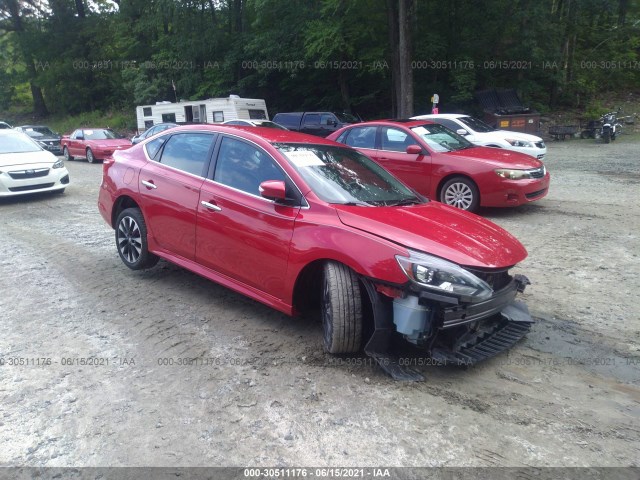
341 309
462 193
131 240
90 157
67 155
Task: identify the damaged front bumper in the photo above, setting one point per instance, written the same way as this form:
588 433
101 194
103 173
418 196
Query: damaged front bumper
449 331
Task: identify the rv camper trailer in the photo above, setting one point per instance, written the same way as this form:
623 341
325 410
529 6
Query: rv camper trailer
212 110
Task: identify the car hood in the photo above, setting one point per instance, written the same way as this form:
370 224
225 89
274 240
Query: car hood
45 139
116 142
437 229
515 135
498 157
28 158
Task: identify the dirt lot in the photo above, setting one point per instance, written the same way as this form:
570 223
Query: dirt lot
265 394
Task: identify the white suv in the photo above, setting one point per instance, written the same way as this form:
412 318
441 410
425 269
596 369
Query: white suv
479 133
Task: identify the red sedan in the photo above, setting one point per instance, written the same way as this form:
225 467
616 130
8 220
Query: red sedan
92 143
296 222
445 166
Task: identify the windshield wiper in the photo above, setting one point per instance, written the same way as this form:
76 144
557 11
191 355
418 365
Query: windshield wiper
406 201
354 204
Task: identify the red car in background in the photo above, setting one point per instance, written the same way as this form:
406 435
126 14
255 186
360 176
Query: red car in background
445 166
93 144
298 222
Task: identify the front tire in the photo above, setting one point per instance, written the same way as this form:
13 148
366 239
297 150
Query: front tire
462 193
66 154
90 156
341 309
131 240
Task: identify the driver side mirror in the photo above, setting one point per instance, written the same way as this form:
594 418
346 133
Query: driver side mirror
414 150
273 190
462 131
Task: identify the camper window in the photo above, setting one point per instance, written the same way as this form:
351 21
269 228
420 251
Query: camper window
146 111
257 115
218 117
168 118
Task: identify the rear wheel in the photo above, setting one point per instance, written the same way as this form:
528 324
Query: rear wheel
131 240
460 192
341 309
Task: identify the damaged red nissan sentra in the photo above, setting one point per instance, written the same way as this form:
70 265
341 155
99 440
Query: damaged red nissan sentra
296 221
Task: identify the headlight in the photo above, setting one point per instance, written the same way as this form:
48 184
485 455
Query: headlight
514 174
58 164
442 276
519 143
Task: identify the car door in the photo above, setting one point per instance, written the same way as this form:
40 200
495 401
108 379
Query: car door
311 124
170 188
75 145
413 169
239 233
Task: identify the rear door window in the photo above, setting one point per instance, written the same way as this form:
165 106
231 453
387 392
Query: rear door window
188 152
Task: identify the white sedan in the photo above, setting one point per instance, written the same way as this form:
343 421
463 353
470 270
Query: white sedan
479 133
25 167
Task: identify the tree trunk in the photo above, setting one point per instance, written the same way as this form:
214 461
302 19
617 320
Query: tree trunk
80 8
404 55
392 16
39 106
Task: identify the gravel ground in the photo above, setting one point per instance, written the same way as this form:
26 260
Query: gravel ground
265 394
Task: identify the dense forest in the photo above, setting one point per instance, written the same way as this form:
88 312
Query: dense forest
372 57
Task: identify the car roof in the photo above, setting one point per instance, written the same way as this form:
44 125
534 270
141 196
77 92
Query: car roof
271 135
34 126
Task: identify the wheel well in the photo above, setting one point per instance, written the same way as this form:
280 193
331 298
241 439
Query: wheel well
121 204
449 177
494 146
307 290
307 293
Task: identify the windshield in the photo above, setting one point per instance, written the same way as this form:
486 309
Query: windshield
345 176
347 118
476 125
17 143
102 134
37 132
441 139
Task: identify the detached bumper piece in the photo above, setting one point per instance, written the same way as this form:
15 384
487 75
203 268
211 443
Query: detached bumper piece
514 323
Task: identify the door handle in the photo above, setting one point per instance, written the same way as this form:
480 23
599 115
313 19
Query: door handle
150 185
210 206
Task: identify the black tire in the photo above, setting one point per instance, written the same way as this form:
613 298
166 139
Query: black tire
90 156
606 136
131 240
66 154
460 192
341 309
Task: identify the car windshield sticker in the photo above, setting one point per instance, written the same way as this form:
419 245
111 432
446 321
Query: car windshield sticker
88 132
304 158
421 131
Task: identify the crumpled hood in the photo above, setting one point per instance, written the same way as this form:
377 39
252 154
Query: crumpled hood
498 157
437 229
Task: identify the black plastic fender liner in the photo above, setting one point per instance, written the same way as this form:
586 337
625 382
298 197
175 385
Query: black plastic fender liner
378 345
